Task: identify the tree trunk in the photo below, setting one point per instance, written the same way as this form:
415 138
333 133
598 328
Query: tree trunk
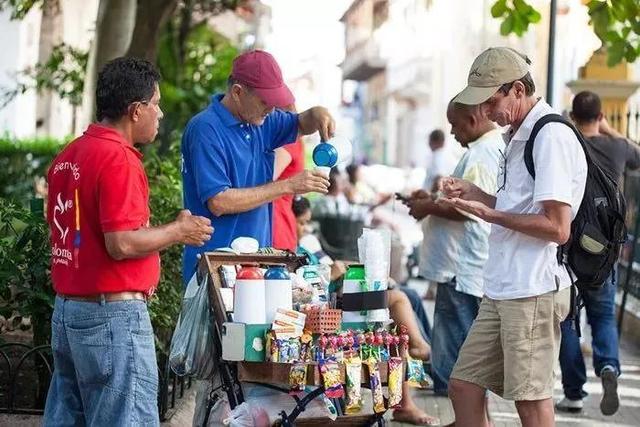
114 27
50 36
151 17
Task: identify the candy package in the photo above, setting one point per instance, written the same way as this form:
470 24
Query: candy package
306 342
331 378
331 408
353 375
283 351
294 350
297 378
272 348
394 382
375 385
417 377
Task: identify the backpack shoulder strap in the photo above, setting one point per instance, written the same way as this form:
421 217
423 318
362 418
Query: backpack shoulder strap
549 118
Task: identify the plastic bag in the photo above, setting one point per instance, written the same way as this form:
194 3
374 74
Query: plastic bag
216 403
247 415
192 351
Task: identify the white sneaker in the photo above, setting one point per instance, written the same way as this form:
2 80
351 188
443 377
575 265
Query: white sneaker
568 405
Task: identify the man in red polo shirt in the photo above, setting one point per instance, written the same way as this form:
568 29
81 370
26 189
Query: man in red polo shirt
104 258
289 161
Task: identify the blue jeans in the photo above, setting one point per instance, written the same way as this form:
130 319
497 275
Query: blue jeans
105 365
418 309
453 316
600 306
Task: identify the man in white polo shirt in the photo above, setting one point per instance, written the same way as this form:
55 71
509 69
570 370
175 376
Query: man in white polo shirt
513 344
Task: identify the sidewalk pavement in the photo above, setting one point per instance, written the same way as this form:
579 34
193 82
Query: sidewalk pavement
504 413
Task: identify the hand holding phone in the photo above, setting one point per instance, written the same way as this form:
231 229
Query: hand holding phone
402 197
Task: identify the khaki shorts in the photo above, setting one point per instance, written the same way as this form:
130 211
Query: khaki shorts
513 346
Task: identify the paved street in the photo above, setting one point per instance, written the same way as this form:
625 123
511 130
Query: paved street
504 413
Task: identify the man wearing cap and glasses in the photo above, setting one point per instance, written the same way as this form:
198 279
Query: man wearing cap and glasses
228 158
514 341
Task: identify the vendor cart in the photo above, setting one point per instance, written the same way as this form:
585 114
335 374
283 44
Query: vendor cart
273 375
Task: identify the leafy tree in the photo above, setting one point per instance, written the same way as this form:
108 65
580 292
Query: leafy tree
615 22
123 27
194 64
24 268
20 8
63 72
517 16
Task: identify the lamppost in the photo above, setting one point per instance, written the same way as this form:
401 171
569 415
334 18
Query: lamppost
550 55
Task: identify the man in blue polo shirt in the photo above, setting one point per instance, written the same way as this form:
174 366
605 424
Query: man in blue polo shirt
227 154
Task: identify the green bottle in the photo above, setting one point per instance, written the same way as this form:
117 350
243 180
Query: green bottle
354 281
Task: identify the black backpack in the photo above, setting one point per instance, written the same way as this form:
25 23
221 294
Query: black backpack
598 231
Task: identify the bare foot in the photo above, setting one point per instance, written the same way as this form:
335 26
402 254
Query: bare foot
420 351
416 416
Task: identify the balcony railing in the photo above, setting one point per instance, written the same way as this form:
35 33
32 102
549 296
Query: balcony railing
363 61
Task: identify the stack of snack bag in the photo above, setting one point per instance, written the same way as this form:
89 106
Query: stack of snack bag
353 349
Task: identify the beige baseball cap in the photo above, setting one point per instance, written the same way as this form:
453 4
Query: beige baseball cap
491 69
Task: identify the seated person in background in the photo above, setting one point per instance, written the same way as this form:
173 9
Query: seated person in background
359 192
337 203
400 309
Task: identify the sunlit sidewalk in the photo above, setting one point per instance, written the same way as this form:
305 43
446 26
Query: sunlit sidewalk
504 413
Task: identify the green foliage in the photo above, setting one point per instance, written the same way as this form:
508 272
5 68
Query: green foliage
165 184
615 22
25 286
194 66
25 282
20 8
516 14
63 73
23 163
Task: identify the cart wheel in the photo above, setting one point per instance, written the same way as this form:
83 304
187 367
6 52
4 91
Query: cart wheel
284 420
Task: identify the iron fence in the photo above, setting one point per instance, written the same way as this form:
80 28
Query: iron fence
25 374
629 268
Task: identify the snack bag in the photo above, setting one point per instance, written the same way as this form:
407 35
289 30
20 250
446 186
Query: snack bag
353 375
375 385
394 382
297 378
331 378
417 377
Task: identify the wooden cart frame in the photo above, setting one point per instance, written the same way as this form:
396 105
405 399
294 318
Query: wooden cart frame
232 374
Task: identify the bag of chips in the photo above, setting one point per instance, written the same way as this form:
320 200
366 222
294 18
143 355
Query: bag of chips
297 378
331 378
417 377
375 385
353 368
394 381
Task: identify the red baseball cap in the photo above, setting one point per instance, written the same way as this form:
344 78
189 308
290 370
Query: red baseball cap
259 70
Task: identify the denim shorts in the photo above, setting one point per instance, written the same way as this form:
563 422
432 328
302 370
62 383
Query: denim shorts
105 369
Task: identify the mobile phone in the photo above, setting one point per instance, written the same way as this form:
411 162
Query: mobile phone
401 197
